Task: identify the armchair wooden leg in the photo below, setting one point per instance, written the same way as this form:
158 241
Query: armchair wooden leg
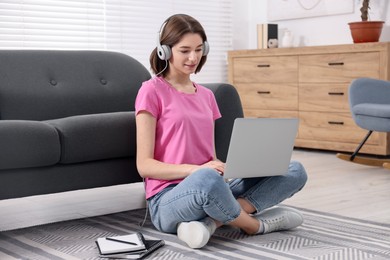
360 145
364 160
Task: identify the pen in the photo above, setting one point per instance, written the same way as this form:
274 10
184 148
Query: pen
121 241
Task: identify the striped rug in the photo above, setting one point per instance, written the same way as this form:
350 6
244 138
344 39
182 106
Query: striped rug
322 236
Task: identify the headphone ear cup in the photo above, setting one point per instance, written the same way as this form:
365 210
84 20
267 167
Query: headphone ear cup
164 52
206 48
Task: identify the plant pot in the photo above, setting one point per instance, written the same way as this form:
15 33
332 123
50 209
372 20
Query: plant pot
366 31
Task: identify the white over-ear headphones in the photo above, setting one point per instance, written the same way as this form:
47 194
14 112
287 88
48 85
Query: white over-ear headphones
164 52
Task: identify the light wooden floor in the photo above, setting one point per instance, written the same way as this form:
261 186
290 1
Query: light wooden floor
334 186
344 188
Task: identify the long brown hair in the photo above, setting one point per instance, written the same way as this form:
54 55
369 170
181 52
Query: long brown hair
173 30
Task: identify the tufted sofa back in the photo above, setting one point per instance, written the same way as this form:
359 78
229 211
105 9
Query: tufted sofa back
44 85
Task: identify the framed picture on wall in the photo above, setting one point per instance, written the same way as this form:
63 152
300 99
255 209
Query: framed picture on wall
296 9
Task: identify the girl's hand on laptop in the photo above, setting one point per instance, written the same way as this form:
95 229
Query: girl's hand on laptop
217 165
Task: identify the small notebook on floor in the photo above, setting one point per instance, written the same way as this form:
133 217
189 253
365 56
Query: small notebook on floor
149 246
121 244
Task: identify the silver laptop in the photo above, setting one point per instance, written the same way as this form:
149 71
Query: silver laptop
260 147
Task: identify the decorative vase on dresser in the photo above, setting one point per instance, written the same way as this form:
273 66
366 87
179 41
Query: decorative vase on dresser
311 83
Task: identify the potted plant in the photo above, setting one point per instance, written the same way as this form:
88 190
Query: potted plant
365 30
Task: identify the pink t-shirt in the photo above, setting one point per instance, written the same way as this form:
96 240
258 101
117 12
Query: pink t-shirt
185 125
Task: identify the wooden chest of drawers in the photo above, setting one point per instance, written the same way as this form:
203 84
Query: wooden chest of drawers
311 83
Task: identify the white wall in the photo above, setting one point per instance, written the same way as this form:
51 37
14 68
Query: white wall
321 30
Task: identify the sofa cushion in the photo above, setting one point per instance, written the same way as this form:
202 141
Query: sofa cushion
96 137
28 144
46 85
372 109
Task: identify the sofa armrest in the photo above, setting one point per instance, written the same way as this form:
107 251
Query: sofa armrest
229 104
96 137
28 144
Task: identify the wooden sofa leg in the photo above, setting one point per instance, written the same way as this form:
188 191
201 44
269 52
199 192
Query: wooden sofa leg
386 165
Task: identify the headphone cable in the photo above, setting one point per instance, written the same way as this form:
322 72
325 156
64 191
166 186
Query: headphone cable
166 66
142 223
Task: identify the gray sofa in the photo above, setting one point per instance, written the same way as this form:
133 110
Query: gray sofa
67 120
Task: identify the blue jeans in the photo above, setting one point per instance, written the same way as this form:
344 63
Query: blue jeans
205 193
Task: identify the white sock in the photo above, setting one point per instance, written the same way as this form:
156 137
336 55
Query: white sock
261 227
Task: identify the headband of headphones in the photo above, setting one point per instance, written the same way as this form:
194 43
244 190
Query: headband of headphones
164 52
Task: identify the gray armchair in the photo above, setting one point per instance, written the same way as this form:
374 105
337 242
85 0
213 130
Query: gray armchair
369 101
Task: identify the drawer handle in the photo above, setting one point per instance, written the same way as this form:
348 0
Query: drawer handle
263 66
336 93
335 123
336 63
263 92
